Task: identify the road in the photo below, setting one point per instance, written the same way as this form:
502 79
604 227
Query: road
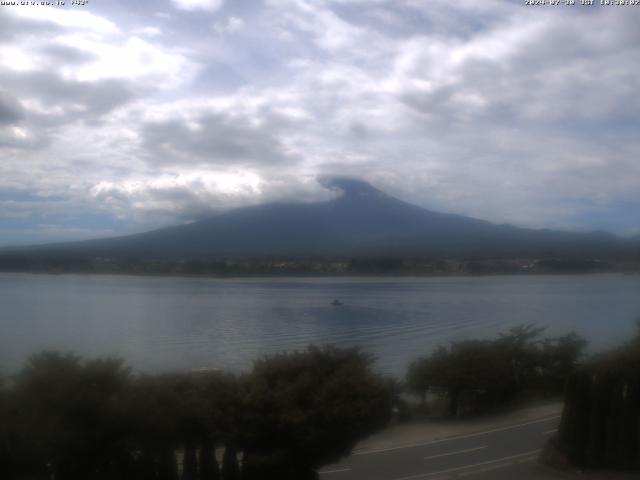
500 452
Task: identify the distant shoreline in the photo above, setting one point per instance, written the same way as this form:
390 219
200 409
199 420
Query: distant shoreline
317 275
368 266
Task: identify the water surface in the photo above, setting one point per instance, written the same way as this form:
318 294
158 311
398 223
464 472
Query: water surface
182 323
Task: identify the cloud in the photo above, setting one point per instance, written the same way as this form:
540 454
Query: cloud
329 31
481 108
67 54
77 19
230 26
188 196
149 31
219 137
133 59
10 109
209 5
59 98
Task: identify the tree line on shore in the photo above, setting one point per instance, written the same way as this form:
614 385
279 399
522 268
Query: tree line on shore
17 261
65 418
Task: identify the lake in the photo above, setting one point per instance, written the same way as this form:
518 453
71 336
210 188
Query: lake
163 323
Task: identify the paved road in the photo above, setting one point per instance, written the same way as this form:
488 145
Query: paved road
502 452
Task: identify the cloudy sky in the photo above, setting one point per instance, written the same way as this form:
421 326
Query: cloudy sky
121 116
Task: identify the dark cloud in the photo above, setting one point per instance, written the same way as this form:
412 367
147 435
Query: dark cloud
66 55
217 139
15 28
76 99
10 109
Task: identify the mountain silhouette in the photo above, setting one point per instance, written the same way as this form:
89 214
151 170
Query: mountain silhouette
362 220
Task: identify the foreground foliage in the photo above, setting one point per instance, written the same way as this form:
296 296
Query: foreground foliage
69 419
478 375
308 409
600 426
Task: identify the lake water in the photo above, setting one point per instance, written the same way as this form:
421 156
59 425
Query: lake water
183 323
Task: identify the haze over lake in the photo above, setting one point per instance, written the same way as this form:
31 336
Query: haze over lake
183 323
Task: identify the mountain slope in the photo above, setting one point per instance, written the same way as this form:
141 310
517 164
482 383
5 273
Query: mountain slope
362 221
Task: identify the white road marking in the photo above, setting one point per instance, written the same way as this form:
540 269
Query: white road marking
549 432
456 453
490 468
458 437
466 467
338 470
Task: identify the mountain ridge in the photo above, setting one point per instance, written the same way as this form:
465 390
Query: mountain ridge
361 221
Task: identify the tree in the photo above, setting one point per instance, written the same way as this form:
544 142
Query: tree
477 375
430 373
230 467
559 358
209 469
222 393
473 374
521 345
600 426
419 378
306 409
219 419
7 455
187 412
69 418
189 462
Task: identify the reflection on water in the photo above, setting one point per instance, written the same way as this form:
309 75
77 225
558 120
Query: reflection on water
182 323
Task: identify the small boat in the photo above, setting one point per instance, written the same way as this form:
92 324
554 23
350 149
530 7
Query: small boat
337 303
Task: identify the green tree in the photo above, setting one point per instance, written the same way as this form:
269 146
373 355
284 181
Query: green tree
306 409
188 412
209 469
477 375
600 426
157 405
69 418
7 455
189 462
521 346
419 378
559 357
473 374
230 467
